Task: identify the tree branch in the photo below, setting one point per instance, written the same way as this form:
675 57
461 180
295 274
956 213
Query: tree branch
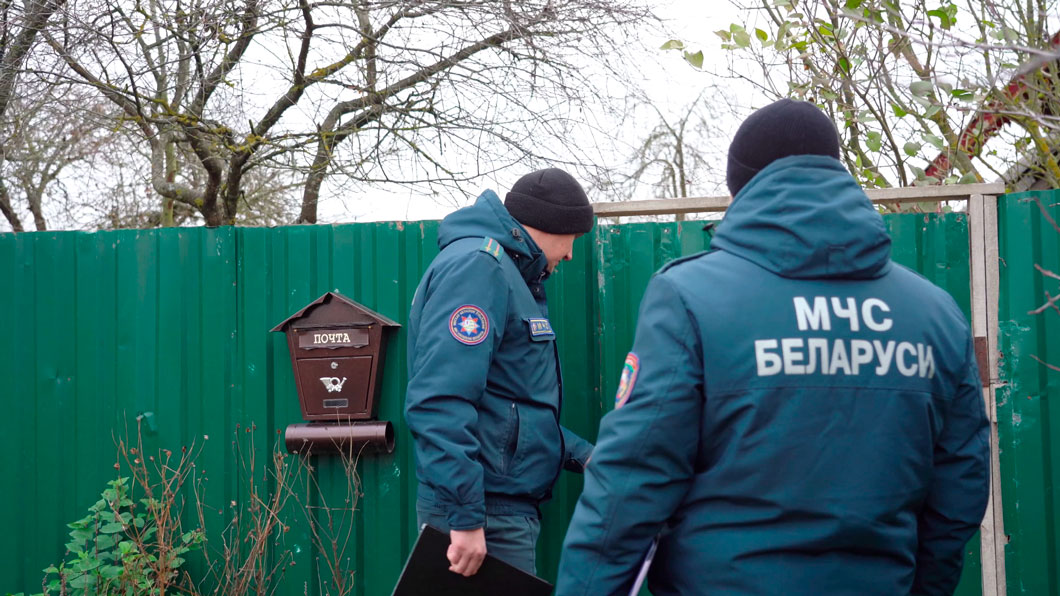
248 24
38 14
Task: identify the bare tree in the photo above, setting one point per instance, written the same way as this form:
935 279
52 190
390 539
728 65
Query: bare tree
379 91
679 156
20 24
46 137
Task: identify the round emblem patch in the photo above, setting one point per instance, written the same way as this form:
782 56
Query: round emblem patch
628 378
469 325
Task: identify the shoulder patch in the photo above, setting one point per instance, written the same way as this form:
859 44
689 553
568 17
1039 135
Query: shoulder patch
469 325
627 380
492 248
692 257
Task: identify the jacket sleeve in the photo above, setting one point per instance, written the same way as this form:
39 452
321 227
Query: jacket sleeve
447 378
577 451
644 460
958 495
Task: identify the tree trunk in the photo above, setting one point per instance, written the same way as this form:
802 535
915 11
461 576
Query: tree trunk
329 139
171 177
8 211
35 198
234 184
311 195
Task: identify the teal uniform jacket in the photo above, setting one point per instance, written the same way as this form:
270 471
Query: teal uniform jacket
484 391
799 414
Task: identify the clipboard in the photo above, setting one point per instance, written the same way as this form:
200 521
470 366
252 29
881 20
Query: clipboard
426 573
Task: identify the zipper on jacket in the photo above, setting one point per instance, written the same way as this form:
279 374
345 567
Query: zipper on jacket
559 408
512 443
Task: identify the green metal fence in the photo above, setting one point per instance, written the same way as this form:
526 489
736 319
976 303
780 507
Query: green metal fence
1028 236
173 324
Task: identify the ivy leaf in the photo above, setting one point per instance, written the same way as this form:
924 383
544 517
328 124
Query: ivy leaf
112 528
82 581
968 178
921 88
962 94
677 44
853 4
898 111
844 65
782 34
874 140
932 111
924 101
740 36
934 140
761 35
944 19
912 149
696 59
723 34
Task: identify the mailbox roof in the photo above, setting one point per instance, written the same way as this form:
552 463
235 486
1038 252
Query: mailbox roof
383 320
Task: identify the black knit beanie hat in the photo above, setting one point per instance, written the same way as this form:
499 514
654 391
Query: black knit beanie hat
550 200
781 129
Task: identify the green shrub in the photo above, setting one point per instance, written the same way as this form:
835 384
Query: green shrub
115 549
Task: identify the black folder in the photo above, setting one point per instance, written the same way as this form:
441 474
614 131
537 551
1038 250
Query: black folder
426 573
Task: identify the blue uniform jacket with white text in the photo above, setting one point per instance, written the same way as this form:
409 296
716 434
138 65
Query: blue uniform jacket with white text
484 391
798 415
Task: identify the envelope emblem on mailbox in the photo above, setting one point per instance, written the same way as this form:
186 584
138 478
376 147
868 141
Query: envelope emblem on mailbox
333 384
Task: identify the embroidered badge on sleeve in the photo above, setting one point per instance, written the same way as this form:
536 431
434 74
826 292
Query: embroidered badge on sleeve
469 325
626 382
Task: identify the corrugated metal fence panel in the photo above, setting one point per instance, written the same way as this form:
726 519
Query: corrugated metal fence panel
378 265
103 327
1030 454
175 322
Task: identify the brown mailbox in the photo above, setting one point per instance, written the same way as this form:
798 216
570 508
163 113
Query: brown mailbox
337 348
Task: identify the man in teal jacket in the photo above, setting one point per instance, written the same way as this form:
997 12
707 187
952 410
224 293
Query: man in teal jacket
799 414
484 392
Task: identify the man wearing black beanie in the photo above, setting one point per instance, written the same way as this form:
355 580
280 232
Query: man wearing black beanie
798 414
484 391
781 129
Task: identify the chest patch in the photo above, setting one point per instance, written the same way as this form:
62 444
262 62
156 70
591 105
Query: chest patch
627 380
540 329
469 325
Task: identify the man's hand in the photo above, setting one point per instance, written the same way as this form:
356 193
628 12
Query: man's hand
467 549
